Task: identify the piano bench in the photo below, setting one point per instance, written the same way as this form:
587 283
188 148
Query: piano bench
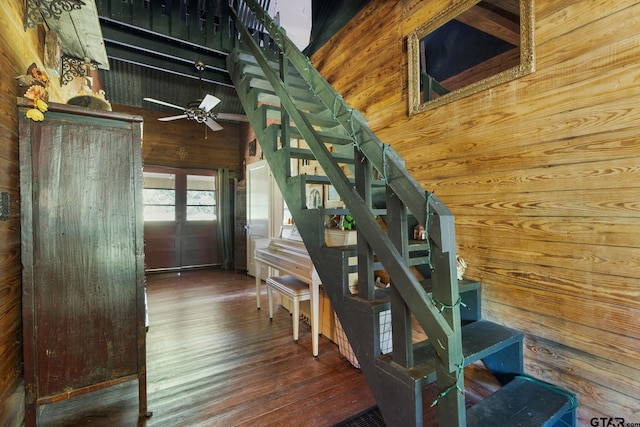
295 289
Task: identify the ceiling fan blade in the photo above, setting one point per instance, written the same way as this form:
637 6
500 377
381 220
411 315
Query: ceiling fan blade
208 103
166 104
232 117
213 125
168 119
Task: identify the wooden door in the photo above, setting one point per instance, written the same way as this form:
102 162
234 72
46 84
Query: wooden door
240 226
265 210
258 206
83 277
180 220
199 245
161 226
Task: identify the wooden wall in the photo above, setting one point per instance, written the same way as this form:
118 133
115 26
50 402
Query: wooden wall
542 175
247 135
18 49
182 143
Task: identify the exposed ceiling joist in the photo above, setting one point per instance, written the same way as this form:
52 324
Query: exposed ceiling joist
156 51
172 65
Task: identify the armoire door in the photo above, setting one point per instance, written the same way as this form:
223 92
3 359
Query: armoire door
82 252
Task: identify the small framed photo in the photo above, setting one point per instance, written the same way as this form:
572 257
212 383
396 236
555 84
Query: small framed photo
314 196
331 197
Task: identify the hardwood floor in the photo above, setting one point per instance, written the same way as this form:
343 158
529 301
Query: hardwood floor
213 359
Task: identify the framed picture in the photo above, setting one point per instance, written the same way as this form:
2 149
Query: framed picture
331 197
314 196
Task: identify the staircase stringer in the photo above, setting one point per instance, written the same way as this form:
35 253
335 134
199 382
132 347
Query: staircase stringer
427 314
425 207
442 326
383 157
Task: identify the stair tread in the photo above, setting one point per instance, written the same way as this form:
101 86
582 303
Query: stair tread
479 339
261 83
249 63
268 97
304 153
345 211
337 137
321 119
418 260
380 303
297 93
254 72
323 179
521 402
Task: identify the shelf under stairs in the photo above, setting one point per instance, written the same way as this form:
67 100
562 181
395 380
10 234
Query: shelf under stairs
287 100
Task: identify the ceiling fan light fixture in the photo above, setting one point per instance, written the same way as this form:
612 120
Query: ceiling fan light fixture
200 111
200 66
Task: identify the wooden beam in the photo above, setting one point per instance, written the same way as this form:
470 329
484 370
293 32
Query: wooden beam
492 23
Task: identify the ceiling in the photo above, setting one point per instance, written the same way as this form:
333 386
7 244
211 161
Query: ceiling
153 46
148 48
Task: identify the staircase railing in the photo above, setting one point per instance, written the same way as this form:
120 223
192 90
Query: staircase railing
438 314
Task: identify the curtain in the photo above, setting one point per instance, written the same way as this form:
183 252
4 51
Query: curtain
225 218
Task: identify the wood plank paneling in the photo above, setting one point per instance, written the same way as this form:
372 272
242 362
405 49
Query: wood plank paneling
561 358
17 50
366 59
542 175
182 143
585 283
552 20
566 254
597 398
576 312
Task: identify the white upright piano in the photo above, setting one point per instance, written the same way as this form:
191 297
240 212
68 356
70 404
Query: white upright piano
288 255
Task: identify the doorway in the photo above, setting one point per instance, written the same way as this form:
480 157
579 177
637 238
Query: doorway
180 218
259 198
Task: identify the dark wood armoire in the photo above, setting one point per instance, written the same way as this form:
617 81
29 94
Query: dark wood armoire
82 254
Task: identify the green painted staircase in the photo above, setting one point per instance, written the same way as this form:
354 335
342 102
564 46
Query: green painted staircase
287 100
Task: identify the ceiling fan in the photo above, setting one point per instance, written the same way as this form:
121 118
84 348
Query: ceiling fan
202 110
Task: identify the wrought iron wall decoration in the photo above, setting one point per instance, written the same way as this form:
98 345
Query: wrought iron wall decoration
37 11
74 67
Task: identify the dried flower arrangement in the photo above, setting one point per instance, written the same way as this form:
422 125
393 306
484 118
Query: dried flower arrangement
34 85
